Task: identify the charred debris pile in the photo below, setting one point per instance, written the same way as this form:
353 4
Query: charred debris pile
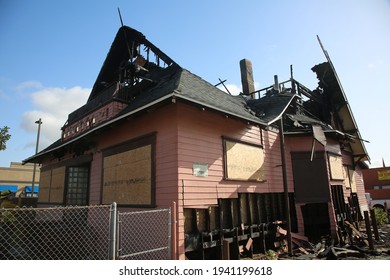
364 240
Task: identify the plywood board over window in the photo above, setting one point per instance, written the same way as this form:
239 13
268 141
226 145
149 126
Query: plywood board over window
336 166
347 182
52 186
243 161
349 178
128 173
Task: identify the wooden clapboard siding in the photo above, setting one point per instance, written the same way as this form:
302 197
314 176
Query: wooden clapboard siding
162 122
360 188
347 158
273 163
200 141
358 174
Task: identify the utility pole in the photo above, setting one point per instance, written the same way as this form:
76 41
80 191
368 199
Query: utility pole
39 122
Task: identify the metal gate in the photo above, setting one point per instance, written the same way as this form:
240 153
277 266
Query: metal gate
144 235
84 232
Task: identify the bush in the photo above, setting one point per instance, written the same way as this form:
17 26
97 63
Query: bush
381 216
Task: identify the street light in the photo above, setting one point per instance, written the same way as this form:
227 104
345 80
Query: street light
39 122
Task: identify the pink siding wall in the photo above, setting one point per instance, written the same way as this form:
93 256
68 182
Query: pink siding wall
200 141
187 135
361 189
161 121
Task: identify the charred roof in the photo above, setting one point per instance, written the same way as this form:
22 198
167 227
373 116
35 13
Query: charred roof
131 57
138 74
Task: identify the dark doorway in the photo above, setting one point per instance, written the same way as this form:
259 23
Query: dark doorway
316 221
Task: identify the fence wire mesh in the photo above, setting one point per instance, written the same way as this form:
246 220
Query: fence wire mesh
55 233
144 235
84 232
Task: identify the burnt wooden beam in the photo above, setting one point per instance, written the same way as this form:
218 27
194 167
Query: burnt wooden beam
225 250
368 229
351 131
374 224
302 90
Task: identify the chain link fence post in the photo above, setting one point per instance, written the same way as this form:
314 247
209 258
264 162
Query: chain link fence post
169 257
112 254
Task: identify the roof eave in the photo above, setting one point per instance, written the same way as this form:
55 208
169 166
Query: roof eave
173 95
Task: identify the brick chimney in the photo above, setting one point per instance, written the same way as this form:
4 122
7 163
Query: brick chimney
247 77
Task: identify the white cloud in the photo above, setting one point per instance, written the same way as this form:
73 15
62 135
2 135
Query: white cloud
29 85
234 89
52 105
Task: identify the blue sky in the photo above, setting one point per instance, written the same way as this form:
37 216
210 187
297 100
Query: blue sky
51 53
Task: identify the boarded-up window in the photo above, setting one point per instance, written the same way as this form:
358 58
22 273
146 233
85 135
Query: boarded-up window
349 178
51 186
128 174
310 178
243 161
44 183
336 167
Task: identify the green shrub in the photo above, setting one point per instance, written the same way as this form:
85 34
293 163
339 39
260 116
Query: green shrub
381 216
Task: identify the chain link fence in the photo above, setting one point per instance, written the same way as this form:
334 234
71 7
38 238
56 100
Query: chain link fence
83 233
145 235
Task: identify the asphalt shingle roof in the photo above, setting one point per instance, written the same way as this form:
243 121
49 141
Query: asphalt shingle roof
270 108
182 84
163 84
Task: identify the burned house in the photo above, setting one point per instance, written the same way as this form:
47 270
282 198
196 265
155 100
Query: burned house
233 168
326 154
